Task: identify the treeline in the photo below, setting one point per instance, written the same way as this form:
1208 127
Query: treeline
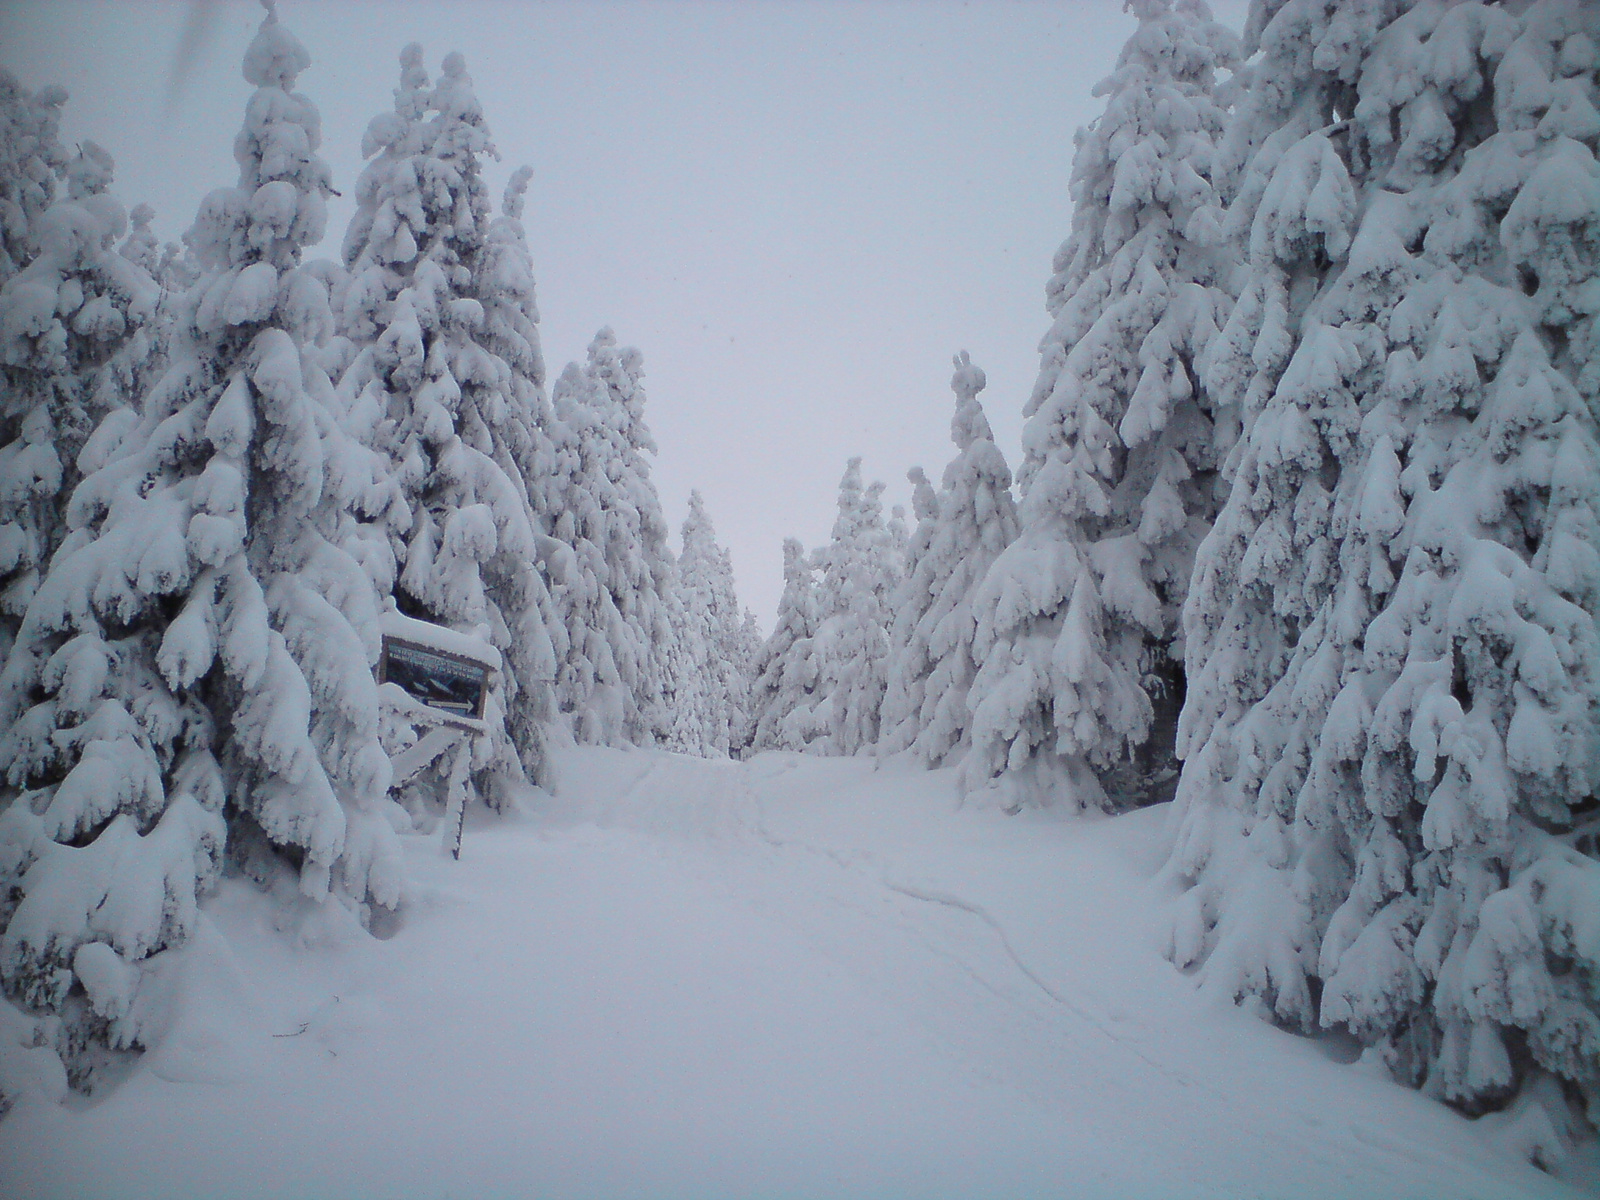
223 463
1304 535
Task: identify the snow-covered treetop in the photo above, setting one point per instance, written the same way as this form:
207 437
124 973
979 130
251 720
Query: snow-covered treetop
1141 173
278 206
698 534
968 379
969 423
74 237
423 194
142 247
796 574
505 285
621 369
275 57
1145 217
424 254
90 171
31 156
924 500
390 197
1152 147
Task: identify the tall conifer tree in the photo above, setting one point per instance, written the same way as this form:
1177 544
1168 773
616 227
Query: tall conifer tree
713 634
1393 726
971 521
784 671
31 161
77 341
1078 618
618 585
448 385
196 666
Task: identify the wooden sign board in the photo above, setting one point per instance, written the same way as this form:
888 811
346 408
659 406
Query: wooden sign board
452 683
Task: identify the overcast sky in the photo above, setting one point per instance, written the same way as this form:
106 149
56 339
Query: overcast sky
797 211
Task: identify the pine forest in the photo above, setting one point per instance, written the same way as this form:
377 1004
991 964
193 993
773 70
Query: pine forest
308 559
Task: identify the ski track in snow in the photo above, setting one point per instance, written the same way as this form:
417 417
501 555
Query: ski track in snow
864 868
868 871
959 904
1359 1139
978 911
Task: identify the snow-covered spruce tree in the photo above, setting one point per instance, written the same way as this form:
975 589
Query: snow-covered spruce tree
196 666
505 286
1386 818
525 445
686 692
712 634
447 383
615 590
31 160
899 536
959 536
746 651
906 674
141 247
1077 621
860 569
76 341
784 673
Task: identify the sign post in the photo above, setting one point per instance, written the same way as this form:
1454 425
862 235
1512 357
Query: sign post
451 683
438 681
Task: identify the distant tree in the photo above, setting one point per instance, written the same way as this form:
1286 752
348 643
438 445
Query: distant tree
141 247
784 671
686 690
746 652
713 634
617 590
906 675
860 568
960 534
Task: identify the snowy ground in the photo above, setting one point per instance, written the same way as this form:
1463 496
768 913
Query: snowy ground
786 978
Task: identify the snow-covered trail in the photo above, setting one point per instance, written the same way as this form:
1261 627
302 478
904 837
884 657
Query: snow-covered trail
788 978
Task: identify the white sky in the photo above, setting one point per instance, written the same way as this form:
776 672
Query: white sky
797 211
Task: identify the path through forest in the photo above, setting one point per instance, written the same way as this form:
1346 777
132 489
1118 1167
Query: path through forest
787 978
